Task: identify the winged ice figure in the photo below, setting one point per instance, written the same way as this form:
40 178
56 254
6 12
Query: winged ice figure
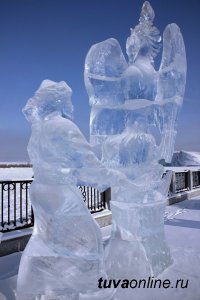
132 128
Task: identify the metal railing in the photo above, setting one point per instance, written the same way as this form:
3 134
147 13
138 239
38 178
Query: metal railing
196 179
94 200
15 208
181 181
185 181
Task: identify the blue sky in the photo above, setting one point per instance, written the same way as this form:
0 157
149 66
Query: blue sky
49 39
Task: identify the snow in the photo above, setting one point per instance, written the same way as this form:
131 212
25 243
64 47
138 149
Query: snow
182 227
186 158
16 173
182 169
17 233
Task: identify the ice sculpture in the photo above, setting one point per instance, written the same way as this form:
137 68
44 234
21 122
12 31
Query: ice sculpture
64 257
133 128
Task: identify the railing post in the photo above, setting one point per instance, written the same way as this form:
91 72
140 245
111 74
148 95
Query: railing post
107 197
32 216
173 182
190 180
195 179
2 205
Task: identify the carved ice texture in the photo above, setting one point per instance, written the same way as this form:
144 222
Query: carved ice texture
64 257
133 127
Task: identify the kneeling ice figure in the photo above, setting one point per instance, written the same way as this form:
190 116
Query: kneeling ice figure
132 129
64 257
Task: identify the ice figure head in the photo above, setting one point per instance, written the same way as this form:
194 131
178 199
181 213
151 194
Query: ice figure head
145 39
51 98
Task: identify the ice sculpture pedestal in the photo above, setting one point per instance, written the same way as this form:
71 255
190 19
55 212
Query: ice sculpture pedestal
137 244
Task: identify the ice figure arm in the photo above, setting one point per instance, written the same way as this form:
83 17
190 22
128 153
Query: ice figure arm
171 86
64 144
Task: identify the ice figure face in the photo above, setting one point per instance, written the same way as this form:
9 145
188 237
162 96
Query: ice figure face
142 47
145 39
50 98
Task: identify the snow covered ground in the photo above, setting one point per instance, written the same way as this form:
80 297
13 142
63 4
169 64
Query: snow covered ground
186 158
182 226
16 173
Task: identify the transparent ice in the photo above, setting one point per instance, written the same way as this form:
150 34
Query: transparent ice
132 129
64 256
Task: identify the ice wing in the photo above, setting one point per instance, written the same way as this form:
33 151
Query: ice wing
172 73
171 87
104 66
